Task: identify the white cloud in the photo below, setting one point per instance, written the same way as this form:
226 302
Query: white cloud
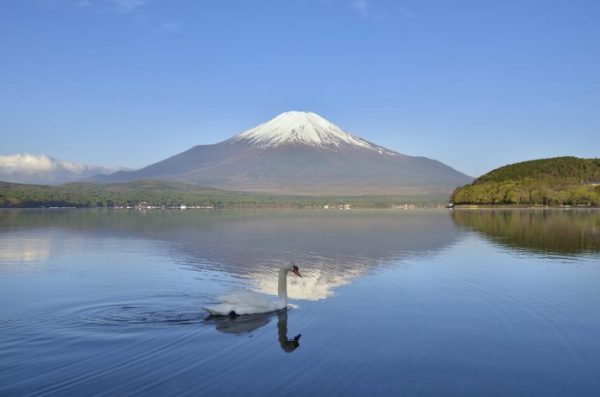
26 163
30 168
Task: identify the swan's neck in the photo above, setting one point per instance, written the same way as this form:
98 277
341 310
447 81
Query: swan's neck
282 288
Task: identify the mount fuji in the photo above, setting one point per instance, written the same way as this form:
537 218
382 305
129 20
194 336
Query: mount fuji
301 153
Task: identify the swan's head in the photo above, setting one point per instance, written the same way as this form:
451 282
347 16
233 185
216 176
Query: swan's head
294 269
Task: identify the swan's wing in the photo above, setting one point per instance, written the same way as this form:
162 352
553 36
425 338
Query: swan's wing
242 302
246 298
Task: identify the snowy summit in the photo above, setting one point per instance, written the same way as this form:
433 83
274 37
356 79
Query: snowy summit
304 128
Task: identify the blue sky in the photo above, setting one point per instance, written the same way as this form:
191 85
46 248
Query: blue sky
474 84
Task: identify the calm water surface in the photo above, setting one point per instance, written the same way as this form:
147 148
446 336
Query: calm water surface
416 303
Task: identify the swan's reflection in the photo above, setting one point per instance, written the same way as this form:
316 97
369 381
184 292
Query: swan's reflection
240 325
246 324
288 345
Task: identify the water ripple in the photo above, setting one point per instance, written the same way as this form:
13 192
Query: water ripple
137 314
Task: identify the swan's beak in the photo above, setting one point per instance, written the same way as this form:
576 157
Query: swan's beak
297 272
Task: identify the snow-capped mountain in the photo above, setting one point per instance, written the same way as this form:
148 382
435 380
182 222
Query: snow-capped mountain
44 170
304 128
301 153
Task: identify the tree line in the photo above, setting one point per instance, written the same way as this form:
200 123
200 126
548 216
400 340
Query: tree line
556 181
172 194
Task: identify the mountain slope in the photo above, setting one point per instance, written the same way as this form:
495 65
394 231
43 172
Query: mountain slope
553 181
301 153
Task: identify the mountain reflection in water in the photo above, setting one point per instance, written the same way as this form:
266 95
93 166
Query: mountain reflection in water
551 231
331 248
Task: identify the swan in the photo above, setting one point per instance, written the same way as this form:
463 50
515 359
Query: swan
243 302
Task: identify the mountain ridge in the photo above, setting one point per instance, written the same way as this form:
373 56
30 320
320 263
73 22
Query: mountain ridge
301 153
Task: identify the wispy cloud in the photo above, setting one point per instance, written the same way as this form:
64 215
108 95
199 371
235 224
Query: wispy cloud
83 3
122 6
139 11
361 7
127 6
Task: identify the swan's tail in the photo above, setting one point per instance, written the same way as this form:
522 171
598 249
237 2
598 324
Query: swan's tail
212 312
215 313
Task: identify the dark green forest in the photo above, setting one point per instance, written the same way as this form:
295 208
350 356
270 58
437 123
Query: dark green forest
555 181
173 194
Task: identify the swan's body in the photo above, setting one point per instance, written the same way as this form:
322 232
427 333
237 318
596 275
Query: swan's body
242 302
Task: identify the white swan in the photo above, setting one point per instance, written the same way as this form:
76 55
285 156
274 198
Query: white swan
243 302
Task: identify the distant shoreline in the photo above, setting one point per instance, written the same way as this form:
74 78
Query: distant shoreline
523 206
162 194
239 207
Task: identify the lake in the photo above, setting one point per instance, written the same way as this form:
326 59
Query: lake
403 302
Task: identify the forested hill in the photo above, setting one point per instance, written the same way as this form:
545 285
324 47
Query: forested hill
175 194
560 168
554 181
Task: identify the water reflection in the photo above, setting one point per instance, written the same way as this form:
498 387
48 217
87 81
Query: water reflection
24 250
319 281
332 248
240 325
117 295
287 345
555 231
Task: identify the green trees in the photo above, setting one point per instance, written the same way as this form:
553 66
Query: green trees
565 168
170 194
555 181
